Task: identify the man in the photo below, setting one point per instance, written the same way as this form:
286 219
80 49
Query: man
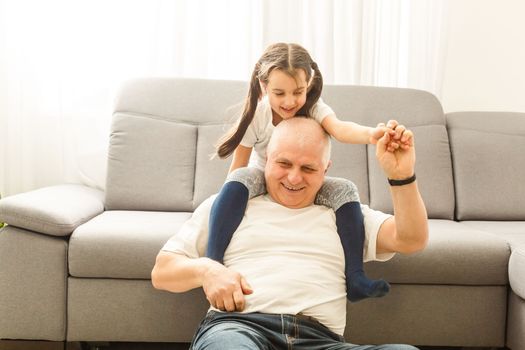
282 282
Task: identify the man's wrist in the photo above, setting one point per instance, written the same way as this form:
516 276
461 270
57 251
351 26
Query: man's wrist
402 182
208 267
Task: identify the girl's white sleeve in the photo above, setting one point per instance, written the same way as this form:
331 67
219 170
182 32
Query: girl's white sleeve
321 110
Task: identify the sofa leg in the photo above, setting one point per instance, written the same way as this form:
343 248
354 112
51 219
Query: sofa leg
93 345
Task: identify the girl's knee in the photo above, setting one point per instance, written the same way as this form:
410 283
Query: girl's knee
251 178
339 191
245 173
340 184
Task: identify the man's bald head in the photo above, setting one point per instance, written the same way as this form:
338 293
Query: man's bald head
304 131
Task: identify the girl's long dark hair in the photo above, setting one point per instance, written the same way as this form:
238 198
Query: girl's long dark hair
287 58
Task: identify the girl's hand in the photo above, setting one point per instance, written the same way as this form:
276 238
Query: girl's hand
378 132
398 137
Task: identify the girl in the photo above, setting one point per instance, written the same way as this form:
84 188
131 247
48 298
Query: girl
283 76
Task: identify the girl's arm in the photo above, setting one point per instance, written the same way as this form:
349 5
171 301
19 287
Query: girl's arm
350 132
241 157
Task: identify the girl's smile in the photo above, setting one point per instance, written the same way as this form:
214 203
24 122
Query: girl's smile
286 94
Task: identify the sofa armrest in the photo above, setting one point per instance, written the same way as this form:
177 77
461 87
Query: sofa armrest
55 210
517 271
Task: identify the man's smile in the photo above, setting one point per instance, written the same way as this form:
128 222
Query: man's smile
292 188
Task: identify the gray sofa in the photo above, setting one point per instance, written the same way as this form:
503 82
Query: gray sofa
75 262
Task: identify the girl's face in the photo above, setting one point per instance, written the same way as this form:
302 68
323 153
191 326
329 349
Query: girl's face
286 94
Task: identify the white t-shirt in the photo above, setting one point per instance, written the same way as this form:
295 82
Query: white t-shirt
292 258
261 128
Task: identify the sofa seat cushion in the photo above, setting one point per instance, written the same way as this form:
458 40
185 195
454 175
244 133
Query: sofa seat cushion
517 271
512 231
455 255
121 244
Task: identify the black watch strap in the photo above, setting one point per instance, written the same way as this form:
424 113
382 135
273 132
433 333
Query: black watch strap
402 182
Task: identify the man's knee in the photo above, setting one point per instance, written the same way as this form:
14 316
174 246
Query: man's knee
396 347
228 336
384 347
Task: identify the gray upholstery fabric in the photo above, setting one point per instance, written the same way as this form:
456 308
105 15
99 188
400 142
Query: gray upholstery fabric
489 166
516 322
55 210
121 244
438 315
511 231
369 105
163 114
32 285
138 179
455 255
517 271
192 101
433 171
131 310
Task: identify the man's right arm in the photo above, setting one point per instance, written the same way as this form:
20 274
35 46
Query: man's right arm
224 288
177 273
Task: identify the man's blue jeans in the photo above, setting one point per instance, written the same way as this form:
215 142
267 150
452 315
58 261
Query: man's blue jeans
229 330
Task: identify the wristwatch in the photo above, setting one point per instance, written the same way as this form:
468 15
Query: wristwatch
402 182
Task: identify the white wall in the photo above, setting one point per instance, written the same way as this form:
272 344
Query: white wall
485 58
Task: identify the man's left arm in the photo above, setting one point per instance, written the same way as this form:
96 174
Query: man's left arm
407 231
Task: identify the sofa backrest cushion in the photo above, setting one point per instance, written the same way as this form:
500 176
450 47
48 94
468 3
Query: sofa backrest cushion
158 128
421 112
489 164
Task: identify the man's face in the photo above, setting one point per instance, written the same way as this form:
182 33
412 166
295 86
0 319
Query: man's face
295 172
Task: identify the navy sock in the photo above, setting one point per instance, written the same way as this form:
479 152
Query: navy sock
226 215
350 226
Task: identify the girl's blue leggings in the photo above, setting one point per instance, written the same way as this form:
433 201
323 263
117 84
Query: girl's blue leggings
337 193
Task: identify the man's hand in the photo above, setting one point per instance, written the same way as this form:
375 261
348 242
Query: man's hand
396 153
397 132
225 288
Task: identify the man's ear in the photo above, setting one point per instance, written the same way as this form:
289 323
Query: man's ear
328 166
